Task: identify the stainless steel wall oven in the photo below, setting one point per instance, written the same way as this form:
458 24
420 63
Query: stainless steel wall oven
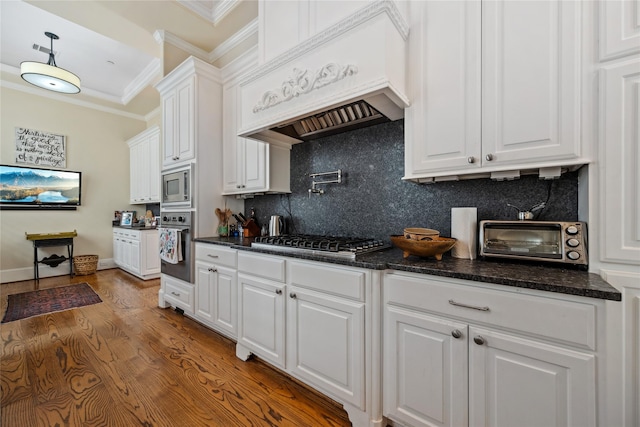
183 222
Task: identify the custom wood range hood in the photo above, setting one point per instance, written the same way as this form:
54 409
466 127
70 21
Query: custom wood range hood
348 76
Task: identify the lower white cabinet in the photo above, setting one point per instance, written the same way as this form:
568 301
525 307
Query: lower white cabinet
216 289
455 356
137 252
310 319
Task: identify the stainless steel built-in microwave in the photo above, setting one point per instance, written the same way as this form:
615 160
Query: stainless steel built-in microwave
176 187
562 242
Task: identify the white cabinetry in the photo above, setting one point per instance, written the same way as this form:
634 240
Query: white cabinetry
460 355
620 207
144 166
191 97
216 295
318 325
261 308
494 88
284 24
250 166
136 251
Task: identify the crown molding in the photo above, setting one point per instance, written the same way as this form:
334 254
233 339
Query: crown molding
144 79
163 36
211 10
69 100
226 46
236 68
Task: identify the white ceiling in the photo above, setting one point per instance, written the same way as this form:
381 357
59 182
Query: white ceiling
115 47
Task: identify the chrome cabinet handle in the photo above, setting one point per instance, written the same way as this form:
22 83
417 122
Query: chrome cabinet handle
475 307
279 291
456 333
213 270
489 157
478 340
212 256
471 159
292 295
175 293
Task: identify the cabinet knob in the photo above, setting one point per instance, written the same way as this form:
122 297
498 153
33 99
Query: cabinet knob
489 157
471 159
293 295
213 270
478 340
456 333
279 291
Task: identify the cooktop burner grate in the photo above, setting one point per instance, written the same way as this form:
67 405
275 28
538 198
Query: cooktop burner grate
332 246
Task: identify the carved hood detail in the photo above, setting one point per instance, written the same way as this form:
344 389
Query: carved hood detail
349 76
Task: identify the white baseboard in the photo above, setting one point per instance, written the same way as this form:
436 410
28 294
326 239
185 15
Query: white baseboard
26 273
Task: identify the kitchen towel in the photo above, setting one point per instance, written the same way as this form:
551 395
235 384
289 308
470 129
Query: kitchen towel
170 245
464 225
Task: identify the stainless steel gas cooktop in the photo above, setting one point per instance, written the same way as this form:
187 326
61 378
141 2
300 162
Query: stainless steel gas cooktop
331 246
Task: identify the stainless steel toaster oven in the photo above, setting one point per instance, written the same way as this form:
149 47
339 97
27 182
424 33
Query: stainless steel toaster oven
561 242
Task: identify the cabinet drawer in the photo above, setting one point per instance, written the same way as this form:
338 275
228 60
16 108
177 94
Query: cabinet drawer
126 234
262 266
346 282
180 295
216 254
561 320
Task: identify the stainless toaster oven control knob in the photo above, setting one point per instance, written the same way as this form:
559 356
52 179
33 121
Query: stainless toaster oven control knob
573 255
574 243
572 229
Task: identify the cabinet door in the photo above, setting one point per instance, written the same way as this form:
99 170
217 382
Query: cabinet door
255 164
185 120
443 123
530 81
325 343
135 256
153 171
117 252
225 300
205 284
149 252
517 382
135 174
425 369
261 315
232 145
170 128
620 210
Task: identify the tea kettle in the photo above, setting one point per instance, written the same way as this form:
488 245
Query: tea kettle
276 225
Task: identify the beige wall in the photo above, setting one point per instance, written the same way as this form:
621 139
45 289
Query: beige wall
95 146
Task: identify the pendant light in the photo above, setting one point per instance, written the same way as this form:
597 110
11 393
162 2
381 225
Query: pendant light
50 76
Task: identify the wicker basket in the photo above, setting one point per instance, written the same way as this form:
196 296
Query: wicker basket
85 264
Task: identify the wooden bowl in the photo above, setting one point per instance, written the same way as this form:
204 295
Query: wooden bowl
420 233
424 248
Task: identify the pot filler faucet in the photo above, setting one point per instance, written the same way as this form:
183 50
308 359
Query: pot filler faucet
336 180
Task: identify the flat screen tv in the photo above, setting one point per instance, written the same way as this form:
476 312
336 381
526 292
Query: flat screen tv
30 187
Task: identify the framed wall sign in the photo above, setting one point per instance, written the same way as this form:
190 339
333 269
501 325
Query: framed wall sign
41 148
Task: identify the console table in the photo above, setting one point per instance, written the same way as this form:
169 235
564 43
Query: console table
42 240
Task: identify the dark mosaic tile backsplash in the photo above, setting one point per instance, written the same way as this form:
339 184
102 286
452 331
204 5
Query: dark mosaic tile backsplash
374 201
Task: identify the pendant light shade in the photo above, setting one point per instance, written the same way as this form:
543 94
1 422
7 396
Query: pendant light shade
50 76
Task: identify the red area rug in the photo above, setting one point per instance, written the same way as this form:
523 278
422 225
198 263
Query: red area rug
35 303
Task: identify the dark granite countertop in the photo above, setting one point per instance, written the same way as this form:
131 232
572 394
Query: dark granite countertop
521 275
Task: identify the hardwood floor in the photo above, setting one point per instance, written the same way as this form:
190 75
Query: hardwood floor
126 362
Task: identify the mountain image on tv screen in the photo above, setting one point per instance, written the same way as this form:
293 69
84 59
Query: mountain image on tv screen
23 185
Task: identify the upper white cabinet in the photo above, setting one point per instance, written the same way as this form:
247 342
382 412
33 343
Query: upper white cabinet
284 24
620 207
619 28
495 87
144 164
250 166
191 98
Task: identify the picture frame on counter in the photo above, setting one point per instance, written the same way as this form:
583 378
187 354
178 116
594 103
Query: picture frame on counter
126 219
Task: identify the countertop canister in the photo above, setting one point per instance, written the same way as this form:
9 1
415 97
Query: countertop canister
464 226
